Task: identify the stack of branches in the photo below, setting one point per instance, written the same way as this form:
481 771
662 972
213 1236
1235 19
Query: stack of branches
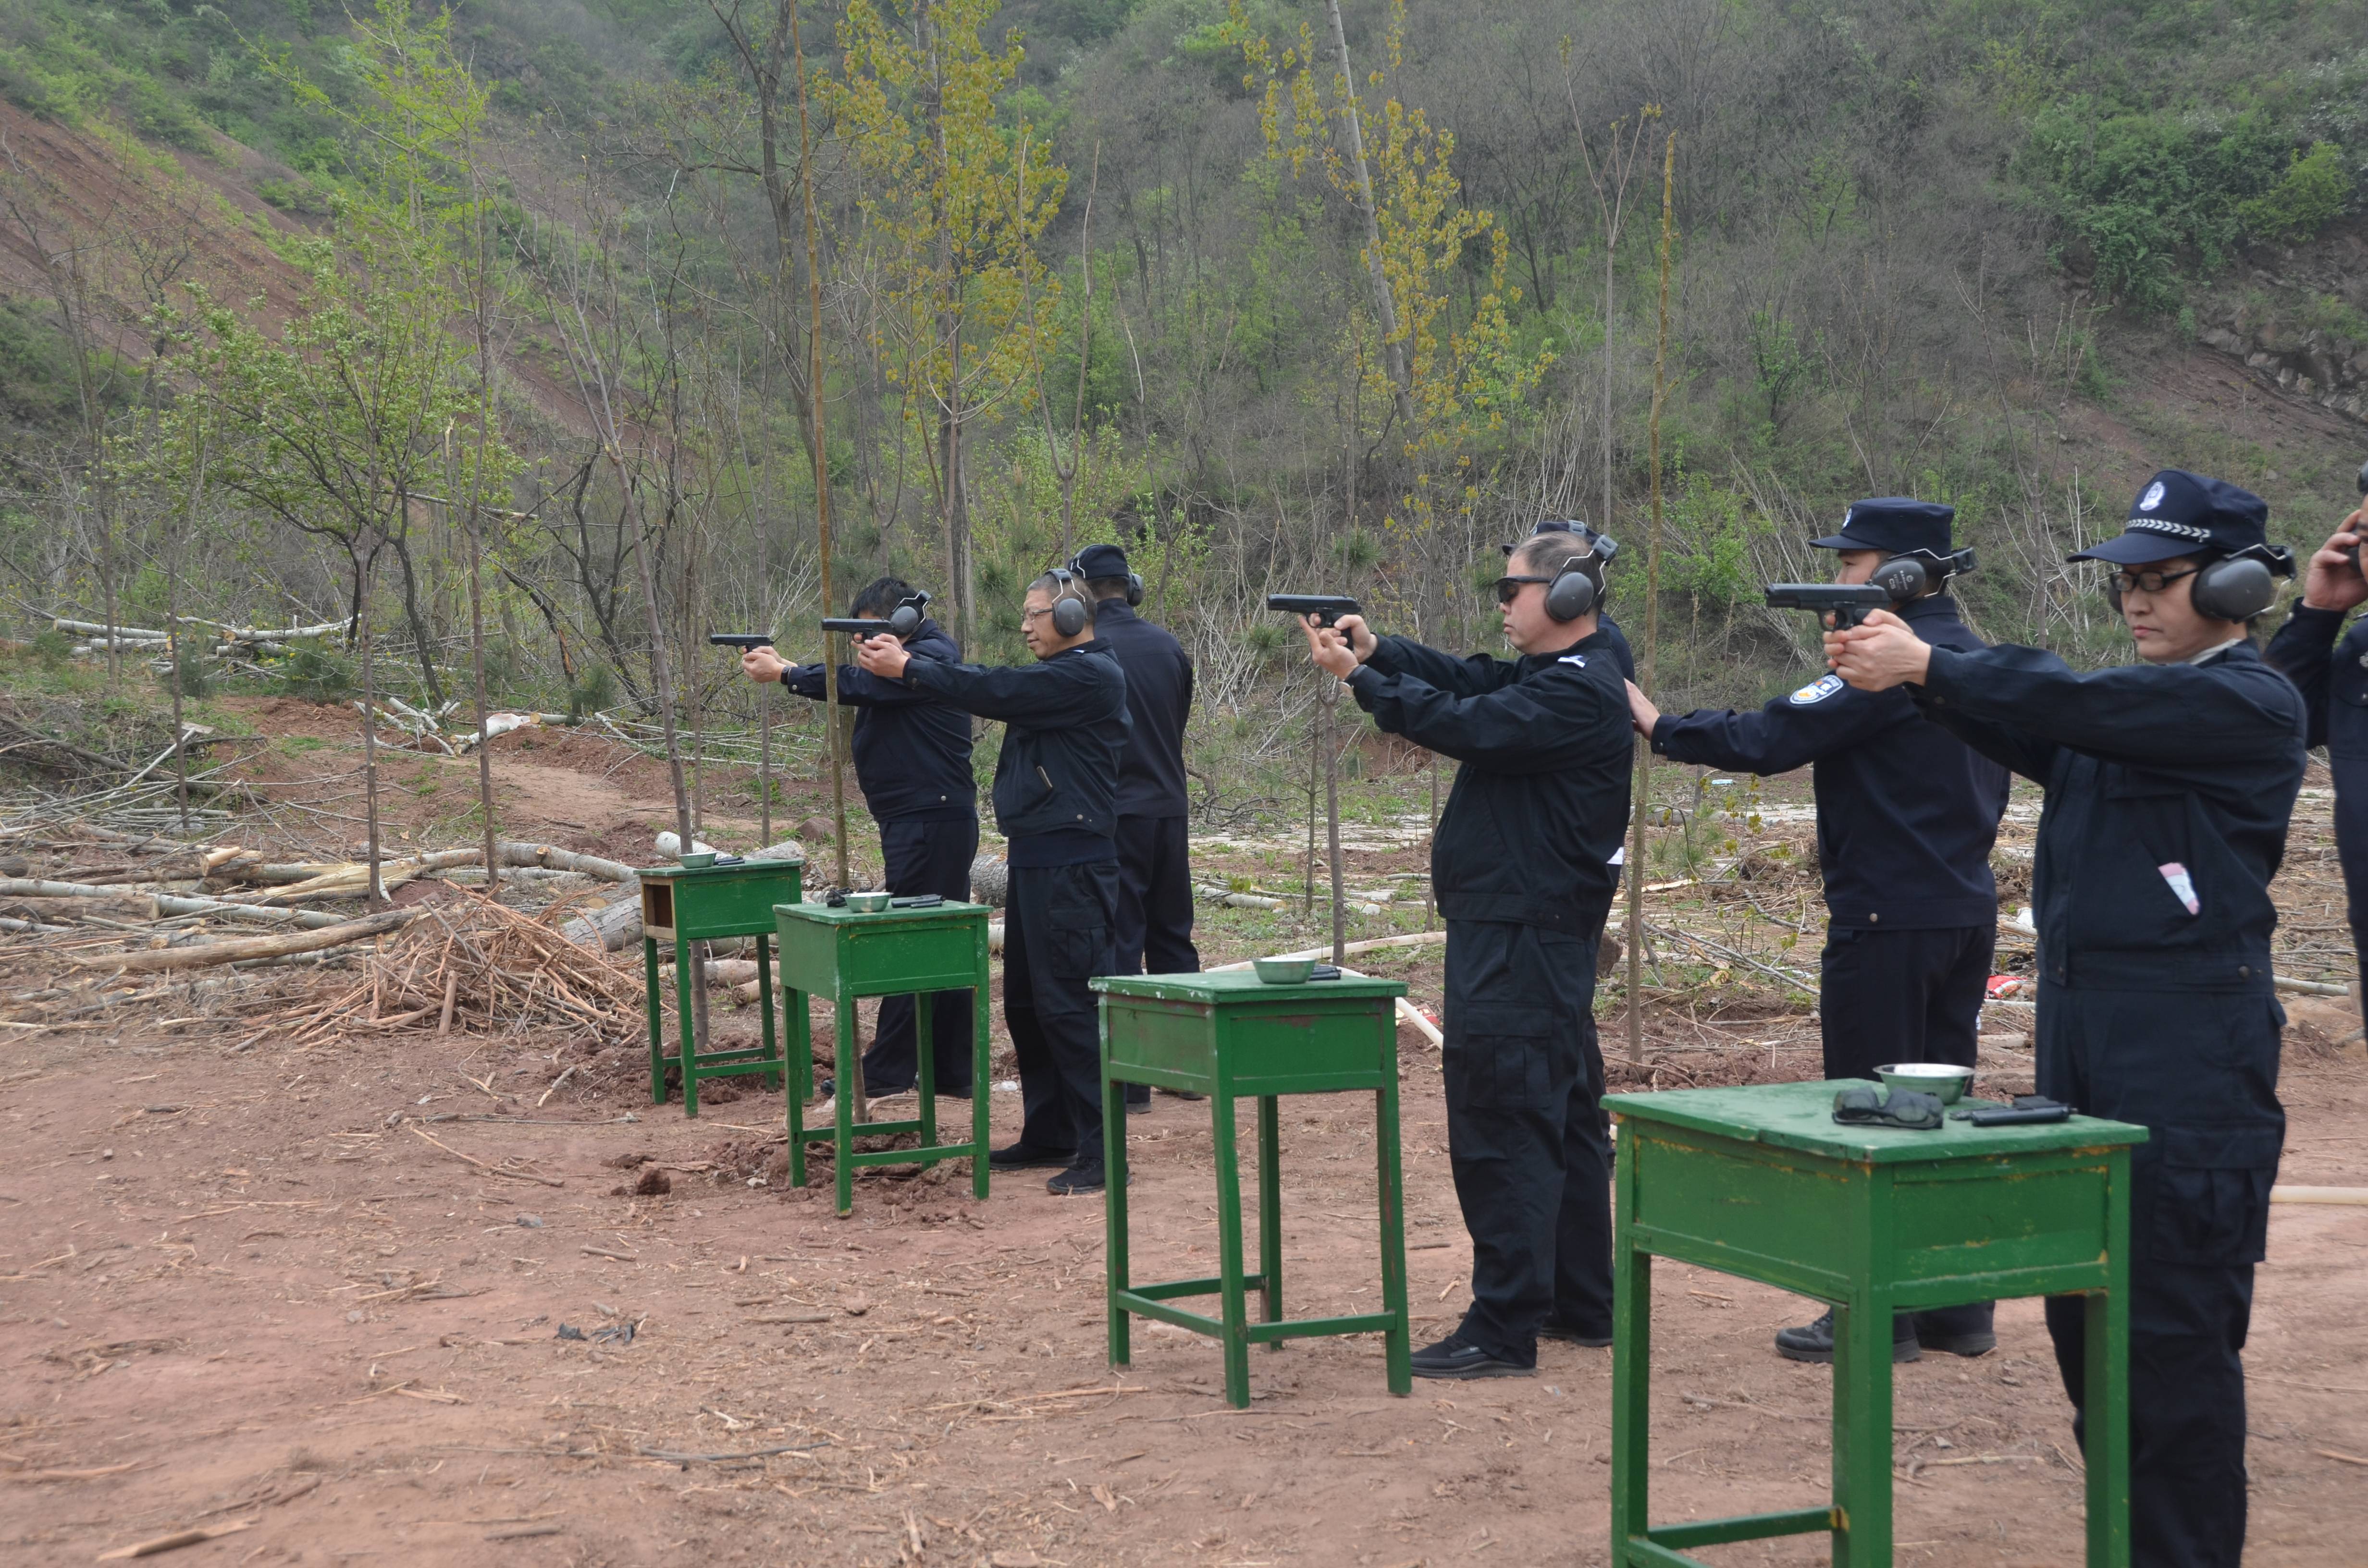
480 967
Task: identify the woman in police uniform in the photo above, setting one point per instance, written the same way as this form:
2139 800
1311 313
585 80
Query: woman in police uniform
2169 784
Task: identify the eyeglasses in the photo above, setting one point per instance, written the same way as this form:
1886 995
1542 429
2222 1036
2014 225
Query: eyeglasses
1509 588
1028 615
2147 582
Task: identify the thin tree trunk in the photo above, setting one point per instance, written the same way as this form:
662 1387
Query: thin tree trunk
174 630
1393 352
1332 821
858 1107
376 886
1646 667
477 532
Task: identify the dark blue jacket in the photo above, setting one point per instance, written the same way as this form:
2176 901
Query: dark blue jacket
1056 779
912 755
2145 767
2332 678
1906 813
1159 701
1540 802
1619 643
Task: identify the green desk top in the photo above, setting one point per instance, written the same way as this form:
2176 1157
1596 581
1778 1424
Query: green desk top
768 866
1239 986
1801 1116
822 914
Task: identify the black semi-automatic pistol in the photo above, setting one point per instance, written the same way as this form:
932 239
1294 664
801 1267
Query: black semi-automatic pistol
741 639
1328 608
1847 603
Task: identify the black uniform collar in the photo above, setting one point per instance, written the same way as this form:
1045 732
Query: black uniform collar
1597 642
1095 646
1113 609
1931 607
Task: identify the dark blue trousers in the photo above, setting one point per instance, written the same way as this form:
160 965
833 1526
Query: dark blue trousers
2199 1071
1056 935
1526 1135
925 857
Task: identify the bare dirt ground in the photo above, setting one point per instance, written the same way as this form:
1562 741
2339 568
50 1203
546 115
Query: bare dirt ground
248 1284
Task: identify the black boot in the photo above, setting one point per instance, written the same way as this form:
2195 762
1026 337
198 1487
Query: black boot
1815 1341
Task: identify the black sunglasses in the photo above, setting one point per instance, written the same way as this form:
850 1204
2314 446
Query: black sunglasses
2147 582
1509 588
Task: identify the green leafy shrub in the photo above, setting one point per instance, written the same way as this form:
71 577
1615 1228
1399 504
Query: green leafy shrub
2310 195
194 676
315 673
591 692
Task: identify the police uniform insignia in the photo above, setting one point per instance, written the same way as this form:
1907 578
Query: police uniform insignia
1817 691
1578 659
2152 498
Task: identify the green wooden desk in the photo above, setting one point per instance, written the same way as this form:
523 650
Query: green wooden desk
843 955
1227 1036
685 904
1760 1182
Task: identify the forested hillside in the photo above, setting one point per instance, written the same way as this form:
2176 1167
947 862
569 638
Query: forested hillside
403 310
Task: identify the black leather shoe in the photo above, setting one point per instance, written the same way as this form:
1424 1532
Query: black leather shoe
1078 1179
1027 1156
1570 1335
1456 1357
1815 1341
1979 1343
1138 1107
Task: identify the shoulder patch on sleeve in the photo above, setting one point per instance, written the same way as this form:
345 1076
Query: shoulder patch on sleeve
1580 659
1817 691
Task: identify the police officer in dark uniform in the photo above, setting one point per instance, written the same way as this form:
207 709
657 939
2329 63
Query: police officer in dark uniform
1055 786
2169 784
1155 873
1521 868
912 761
1906 818
2333 676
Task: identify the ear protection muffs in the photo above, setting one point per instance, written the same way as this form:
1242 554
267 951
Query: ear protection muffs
1911 576
905 619
1577 588
2234 587
1070 612
1133 583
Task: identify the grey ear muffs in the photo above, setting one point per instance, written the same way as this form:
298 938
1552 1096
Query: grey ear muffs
1577 588
905 619
1910 577
2240 586
1070 611
1573 593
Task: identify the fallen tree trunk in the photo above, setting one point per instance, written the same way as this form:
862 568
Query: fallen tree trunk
239 949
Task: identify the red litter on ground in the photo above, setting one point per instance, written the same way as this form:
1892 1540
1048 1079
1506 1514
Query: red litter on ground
2002 985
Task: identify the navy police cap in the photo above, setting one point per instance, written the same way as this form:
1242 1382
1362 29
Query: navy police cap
2180 512
1893 523
1101 561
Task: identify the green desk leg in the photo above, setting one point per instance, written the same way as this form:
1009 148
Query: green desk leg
925 1069
1632 1368
843 1110
798 1040
980 1085
657 1027
1269 1134
764 1008
684 979
1863 1432
2107 1430
1396 1346
1234 1313
1113 1201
